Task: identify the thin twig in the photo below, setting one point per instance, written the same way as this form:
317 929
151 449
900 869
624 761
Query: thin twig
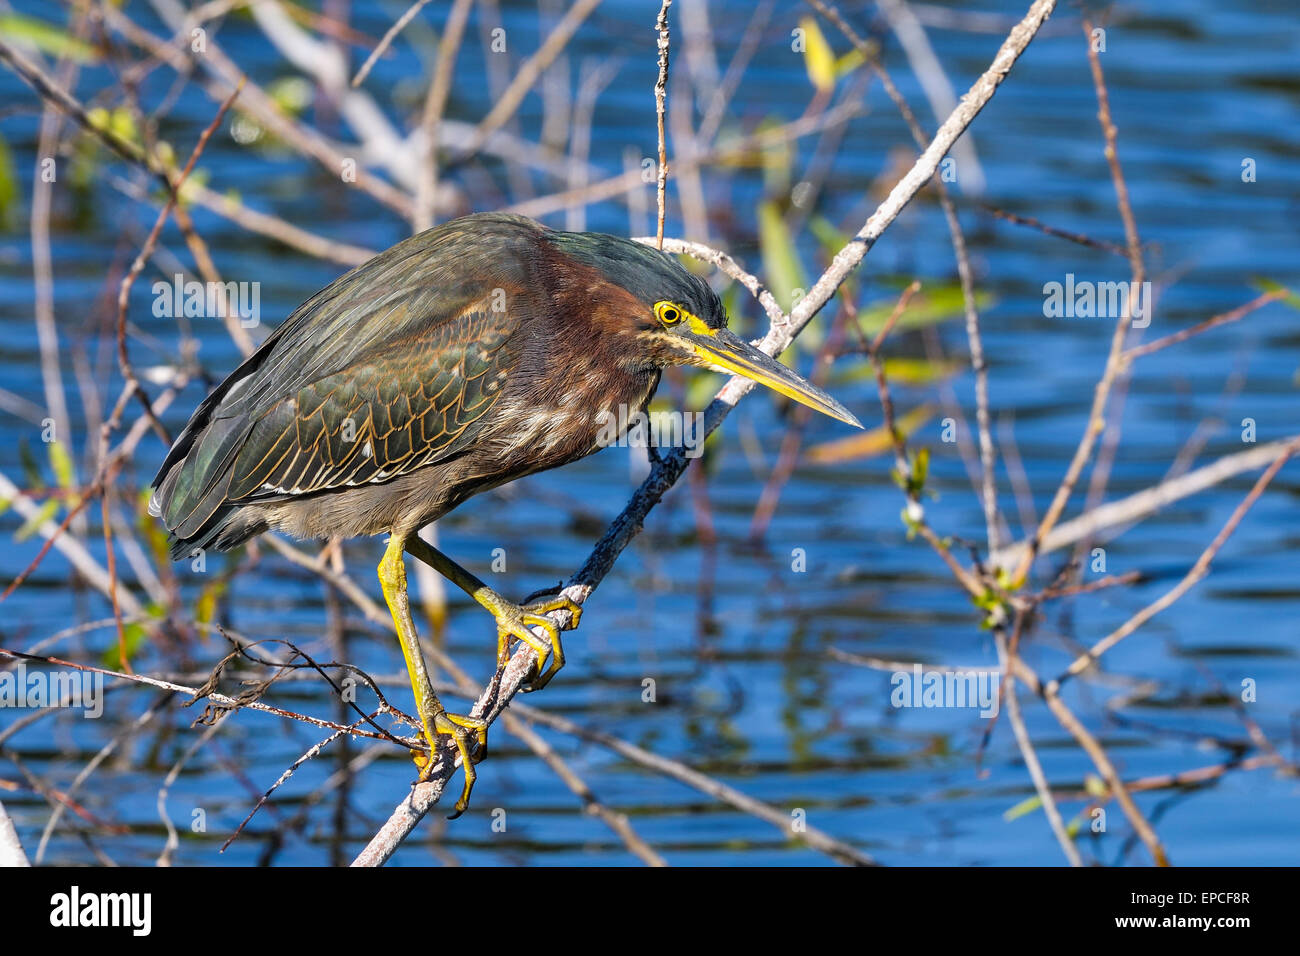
387 41
1147 502
1223 318
11 848
1032 223
220 700
434 104
100 756
661 92
1198 571
617 822
526 77
1030 756
904 24
667 469
1114 365
1098 755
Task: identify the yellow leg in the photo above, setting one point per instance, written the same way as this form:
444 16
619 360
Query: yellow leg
513 620
435 720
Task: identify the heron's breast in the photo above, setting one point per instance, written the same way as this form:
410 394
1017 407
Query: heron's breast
557 426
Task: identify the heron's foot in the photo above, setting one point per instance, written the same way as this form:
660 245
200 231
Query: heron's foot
461 730
518 620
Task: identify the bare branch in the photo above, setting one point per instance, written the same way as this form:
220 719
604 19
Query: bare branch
668 469
11 848
661 92
387 41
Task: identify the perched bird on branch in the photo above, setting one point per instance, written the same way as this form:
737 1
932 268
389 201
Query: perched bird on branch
480 351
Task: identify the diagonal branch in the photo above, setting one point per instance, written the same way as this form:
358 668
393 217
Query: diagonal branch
665 472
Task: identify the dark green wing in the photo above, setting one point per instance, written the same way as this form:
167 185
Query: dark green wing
402 406
386 370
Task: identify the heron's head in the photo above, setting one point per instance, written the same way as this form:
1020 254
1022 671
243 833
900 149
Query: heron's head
677 319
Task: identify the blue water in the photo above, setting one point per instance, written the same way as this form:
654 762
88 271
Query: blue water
737 642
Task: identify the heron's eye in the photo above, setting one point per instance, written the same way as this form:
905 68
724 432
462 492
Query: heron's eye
667 313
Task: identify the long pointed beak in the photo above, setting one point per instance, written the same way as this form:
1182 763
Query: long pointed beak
727 352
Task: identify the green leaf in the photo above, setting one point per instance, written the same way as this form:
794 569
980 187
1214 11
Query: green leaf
921 460
1023 808
134 637
117 122
155 536
914 371
49 508
777 159
81 167
904 371
196 179
849 62
9 197
205 608
831 237
930 306
292 94
1270 285
47 37
61 464
700 389
31 467
818 57
783 269
868 443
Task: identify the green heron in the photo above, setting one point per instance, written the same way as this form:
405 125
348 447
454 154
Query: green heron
480 351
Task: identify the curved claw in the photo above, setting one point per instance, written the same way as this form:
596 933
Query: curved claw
461 729
520 625
556 654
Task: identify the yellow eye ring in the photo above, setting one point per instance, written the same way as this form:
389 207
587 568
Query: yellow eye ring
667 313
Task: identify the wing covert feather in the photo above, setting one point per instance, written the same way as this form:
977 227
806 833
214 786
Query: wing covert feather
388 414
386 369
